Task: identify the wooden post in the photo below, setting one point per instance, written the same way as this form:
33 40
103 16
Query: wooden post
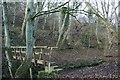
43 57
49 65
50 57
40 54
21 54
15 53
34 57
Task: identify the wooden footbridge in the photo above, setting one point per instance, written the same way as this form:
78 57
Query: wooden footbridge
41 55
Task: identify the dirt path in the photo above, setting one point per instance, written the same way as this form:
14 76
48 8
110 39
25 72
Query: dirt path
105 70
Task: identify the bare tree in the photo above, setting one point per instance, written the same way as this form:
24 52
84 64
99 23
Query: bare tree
7 37
29 40
14 14
119 14
38 8
64 22
111 34
23 25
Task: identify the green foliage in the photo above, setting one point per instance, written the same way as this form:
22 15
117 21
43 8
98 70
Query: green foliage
53 73
90 12
64 10
43 74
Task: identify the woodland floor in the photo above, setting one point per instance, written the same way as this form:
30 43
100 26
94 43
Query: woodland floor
108 69
105 70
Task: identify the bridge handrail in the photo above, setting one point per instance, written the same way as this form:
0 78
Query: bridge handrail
25 47
34 47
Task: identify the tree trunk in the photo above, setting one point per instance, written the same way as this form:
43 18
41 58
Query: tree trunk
23 25
97 27
21 71
67 33
61 20
61 32
119 29
14 15
44 22
108 41
7 38
38 8
64 26
119 14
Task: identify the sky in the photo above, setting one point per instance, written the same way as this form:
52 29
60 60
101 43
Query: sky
83 4
93 2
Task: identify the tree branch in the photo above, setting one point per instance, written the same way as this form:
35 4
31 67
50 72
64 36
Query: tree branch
104 20
38 14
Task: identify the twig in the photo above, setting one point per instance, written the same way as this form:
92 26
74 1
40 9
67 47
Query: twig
37 14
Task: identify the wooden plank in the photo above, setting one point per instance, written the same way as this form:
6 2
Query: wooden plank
20 54
40 61
36 53
33 60
18 46
59 69
19 51
18 58
15 53
23 52
39 46
35 47
25 47
54 66
52 47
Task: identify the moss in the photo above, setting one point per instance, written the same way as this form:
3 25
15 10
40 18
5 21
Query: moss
83 63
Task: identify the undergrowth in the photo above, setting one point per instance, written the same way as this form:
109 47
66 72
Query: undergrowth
83 63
